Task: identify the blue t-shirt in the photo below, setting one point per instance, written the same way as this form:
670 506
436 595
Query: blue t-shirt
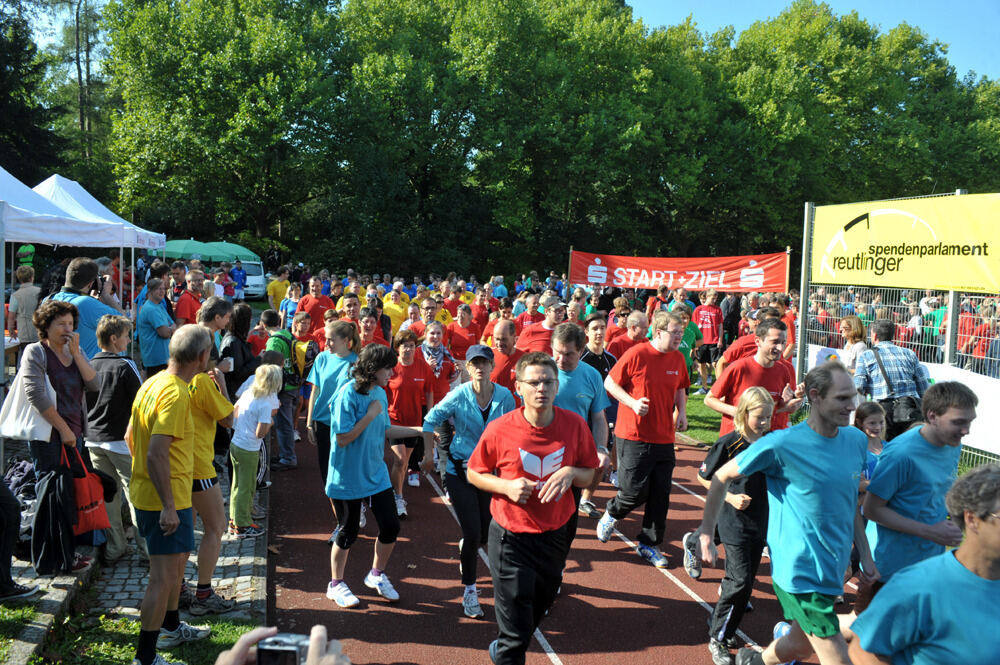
325 289
239 276
812 487
91 310
288 306
934 612
329 374
462 407
358 469
155 349
913 476
499 291
582 392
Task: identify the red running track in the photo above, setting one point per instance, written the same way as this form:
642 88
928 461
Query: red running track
614 607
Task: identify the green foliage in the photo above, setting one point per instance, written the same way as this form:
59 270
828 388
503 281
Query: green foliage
13 619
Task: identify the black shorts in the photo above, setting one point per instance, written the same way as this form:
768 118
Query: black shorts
202 484
707 353
410 442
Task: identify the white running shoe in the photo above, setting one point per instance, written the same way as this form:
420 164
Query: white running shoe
413 479
692 563
400 507
613 478
184 633
382 585
470 604
341 594
605 527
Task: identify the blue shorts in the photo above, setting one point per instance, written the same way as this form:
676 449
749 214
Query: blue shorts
305 390
181 540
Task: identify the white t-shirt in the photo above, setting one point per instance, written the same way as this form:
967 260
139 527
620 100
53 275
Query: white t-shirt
250 412
851 353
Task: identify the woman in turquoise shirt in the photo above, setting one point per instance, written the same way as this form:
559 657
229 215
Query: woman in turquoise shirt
470 406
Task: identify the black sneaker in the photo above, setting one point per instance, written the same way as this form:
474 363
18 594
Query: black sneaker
18 591
720 654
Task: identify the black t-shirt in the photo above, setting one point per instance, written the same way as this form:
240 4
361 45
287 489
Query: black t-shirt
738 526
109 409
603 364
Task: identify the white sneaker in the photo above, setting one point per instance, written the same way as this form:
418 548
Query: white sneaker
613 478
605 527
341 594
184 633
400 506
298 437
382 585
470 604
413 479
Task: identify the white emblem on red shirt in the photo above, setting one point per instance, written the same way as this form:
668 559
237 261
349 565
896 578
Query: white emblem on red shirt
544 467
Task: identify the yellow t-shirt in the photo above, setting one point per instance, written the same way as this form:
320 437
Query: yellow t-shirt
444 316
468 297
277 290
396 314
208 406
162 406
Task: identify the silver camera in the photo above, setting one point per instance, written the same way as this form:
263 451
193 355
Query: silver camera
283 649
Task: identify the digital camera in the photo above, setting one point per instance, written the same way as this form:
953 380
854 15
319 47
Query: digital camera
283 649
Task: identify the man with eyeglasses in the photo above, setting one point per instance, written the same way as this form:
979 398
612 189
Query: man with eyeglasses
650 382
428 312
537 454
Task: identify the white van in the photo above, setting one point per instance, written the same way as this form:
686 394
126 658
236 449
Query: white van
256 281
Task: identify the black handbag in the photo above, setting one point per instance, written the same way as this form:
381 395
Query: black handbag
899 411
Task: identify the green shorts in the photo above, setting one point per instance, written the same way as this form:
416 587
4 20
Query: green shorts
813 611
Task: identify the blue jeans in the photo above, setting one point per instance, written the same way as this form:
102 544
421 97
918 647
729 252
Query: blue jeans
47 455
284 426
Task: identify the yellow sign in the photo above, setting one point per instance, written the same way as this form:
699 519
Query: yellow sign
946 243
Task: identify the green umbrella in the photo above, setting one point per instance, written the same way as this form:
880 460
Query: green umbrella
188 249
230 251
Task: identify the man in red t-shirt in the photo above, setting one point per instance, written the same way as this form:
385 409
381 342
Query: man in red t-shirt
536 453
745 345
649 381
504 313
189 302
530 315
783 304
505 356
481 309
708 317
538 337
766 369
636 328
658 302
352 309
315 304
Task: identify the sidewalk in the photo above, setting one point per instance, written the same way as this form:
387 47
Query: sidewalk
241 574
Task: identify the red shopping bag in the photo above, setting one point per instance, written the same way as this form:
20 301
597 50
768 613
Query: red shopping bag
91 513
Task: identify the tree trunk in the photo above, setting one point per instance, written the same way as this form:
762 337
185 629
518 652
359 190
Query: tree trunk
88 115
79 81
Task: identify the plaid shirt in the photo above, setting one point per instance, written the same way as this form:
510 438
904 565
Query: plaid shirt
908 375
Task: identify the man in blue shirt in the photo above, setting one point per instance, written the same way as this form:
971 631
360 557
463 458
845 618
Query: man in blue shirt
81 282
812 472
906 495
499 289
940 610
581 390
239 276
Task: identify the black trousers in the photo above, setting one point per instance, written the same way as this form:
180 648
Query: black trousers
349 513
10 528
574 519
742 562
645 471
321 431
472 506
527 569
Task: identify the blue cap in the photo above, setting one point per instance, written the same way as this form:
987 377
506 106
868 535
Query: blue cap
479 351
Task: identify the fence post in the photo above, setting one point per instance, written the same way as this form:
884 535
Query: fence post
801 339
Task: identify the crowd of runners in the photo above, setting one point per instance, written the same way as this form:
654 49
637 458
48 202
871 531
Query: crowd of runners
523 397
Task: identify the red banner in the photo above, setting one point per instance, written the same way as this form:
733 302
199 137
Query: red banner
762 272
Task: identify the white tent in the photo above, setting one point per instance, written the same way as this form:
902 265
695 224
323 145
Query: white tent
77 201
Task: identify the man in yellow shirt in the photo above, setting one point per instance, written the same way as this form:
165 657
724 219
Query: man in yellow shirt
395 309
161 438
277 289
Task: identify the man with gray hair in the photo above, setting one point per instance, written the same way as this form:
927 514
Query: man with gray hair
636 329
161 436
91 294
538 337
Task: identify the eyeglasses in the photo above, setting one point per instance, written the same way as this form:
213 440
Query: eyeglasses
539 383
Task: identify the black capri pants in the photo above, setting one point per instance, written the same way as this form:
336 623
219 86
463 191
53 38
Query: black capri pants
349 513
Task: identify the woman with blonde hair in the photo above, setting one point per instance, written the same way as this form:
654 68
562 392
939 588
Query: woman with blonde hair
742 522
852 329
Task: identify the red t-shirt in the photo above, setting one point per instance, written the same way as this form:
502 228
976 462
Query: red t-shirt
357 324
746 373
319 336
460 339
536 338
187 307
708 318
621 344
780 420
407 392
491 324
513 449
741 348
526 319
376 339
645 372
480 315
984 335
654 304
504 370
789 319
452 306
258 341
612 332
314 307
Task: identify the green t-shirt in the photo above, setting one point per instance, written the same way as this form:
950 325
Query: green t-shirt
934 320
28 258
692 335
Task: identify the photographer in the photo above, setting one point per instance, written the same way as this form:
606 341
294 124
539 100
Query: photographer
320 652
91 294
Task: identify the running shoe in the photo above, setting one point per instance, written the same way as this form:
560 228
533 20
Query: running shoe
745 656
382 585
213 603
605 527
692 564
720 654
493 651
249 531
185 633
613 478
187 596
652 555
588 509
461 541
781 629
470 604
298 437
766 552
413 479
80 562
701 391
400 507
341 594
19 591
258 512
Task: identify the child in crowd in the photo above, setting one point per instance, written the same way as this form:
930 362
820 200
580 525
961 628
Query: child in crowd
870 419
254 412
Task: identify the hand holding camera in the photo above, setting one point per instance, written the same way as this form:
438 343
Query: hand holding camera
274 648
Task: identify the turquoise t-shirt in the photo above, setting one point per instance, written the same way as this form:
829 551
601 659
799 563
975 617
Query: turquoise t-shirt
90 312
934 612
155 350
357 470
913 476
582 392
812 487
329 373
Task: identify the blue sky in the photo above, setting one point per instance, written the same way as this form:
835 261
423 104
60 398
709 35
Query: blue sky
970 28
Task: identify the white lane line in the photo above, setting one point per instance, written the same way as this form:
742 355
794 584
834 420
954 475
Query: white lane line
542 642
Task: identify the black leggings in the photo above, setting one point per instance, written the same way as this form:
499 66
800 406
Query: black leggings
321 432
349 513
472 505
